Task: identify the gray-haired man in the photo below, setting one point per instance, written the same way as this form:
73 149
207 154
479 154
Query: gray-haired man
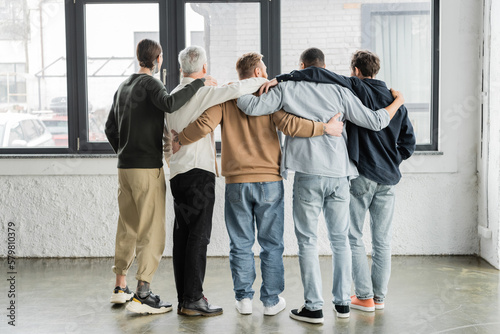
192 181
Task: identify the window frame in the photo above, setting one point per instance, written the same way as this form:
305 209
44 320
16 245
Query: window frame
406 8
172 38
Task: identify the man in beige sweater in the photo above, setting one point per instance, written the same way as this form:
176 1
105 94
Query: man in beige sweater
254 197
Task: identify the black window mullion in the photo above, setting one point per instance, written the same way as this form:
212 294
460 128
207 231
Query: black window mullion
81 77
270 39
176 40
71 70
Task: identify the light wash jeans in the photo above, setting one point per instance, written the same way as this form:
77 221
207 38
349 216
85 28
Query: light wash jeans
379 200
311 195
261 205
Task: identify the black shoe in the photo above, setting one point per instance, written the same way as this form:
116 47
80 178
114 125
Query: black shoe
303 314
121 295
149 305
200 307
343 311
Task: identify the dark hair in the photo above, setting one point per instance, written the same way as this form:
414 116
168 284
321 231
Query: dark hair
147 52
367 62
246 64
313 57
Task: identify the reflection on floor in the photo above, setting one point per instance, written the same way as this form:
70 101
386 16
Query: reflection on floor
442 294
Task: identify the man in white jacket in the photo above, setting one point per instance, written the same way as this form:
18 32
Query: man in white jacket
192 182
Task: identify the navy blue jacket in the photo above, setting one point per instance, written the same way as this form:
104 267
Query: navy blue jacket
377 154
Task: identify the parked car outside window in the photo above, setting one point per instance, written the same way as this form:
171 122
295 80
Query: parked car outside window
23 130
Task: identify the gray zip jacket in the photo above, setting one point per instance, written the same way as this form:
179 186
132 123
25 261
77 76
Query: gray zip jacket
323 155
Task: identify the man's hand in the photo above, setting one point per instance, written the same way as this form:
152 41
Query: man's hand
398 95
334 127
209 81
265 87
176 145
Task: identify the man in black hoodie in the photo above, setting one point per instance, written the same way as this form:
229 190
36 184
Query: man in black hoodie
377 156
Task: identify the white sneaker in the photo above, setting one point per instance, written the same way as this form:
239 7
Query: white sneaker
244 306
275 309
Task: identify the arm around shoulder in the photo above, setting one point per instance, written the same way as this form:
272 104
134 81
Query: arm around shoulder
265 104
170 103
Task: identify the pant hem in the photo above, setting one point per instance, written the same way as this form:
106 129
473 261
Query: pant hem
122 272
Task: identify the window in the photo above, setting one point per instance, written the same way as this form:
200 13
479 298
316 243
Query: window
32 69
110 52
225 31
61 61
402 32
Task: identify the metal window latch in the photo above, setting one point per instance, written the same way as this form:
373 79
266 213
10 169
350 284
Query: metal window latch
164 76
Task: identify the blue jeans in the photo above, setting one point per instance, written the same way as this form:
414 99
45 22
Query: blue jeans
379 200
261 205
311 195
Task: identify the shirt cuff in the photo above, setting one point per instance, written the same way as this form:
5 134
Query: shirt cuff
319 129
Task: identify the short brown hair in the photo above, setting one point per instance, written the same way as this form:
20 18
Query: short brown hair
313 57
247 63
367 62
147 51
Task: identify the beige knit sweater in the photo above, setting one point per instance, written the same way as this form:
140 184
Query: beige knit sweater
250 146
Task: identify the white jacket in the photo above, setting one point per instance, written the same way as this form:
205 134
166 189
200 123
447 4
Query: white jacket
201 154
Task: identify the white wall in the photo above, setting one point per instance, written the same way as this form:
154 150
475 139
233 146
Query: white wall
489 159
67 206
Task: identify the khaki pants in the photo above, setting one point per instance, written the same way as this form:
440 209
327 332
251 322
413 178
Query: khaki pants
141 224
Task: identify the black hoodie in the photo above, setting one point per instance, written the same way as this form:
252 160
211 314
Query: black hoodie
376 154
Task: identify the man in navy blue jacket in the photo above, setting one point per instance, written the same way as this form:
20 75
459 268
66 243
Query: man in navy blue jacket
377 156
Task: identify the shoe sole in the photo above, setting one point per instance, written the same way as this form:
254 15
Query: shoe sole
305 319
342 315
379 306
146 309
120 298
242 312
274 313
363 308
270 313
196 313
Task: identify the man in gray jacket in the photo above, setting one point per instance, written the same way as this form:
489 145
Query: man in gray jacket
322 173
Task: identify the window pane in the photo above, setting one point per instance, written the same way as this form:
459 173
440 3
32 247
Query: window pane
226 31
398 31
32 71
112 34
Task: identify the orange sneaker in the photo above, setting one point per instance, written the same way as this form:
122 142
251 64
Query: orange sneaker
367 305
379 305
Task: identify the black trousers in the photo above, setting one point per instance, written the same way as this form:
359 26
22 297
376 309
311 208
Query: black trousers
194 197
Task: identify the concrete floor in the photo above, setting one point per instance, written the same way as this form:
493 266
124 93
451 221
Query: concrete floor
442 294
